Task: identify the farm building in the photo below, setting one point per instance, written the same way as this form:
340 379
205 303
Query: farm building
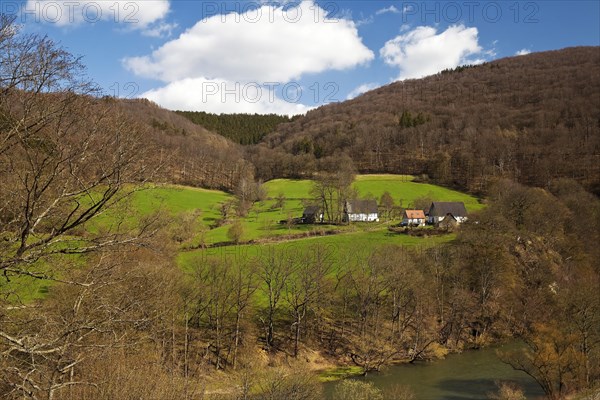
440 210
360 211
413 218
312 214
449 222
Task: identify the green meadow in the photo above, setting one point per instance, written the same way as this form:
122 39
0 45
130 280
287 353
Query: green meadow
339 251
291 188
404 190
24 289
263 220
262 230
177 199
341 247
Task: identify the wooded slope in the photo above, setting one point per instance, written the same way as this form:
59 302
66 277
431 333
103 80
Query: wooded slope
187 153
240 128
529 118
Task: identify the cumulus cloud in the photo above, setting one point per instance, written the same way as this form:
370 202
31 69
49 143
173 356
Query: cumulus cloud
522 52
220 63
391 9
269 44
133 14
423 51
365 87
221 96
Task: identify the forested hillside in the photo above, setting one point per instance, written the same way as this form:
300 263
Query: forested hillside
241 128
528 118
184 152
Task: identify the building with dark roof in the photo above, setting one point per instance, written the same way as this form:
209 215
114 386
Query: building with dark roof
439 210
361 210
312 214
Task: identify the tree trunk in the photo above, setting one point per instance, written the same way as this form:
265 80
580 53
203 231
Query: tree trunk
296 336
236 339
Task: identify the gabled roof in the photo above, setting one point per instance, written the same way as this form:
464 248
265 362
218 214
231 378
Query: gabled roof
361 206
414 214
443 208
312 210
449 220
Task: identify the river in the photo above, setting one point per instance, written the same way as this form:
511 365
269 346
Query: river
469 375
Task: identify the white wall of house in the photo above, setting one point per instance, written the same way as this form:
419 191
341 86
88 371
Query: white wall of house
437 220
373 217
414 221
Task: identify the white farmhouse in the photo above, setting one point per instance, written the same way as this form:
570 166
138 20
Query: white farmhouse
413 218
361 211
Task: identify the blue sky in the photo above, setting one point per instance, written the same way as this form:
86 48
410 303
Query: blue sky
288 57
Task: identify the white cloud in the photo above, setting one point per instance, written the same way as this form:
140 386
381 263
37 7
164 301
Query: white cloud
160 29
365 20
522 52
422 51
214 65
391 9
138 15
365 87
221 96
267 44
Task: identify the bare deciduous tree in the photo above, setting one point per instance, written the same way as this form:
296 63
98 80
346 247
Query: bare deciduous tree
66 157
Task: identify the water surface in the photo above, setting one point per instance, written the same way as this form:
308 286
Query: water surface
469 375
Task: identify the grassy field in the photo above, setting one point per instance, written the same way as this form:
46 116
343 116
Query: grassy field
340 250
23 289
177 199
354 245
291 188
404 190
262 222
263 219
356 240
